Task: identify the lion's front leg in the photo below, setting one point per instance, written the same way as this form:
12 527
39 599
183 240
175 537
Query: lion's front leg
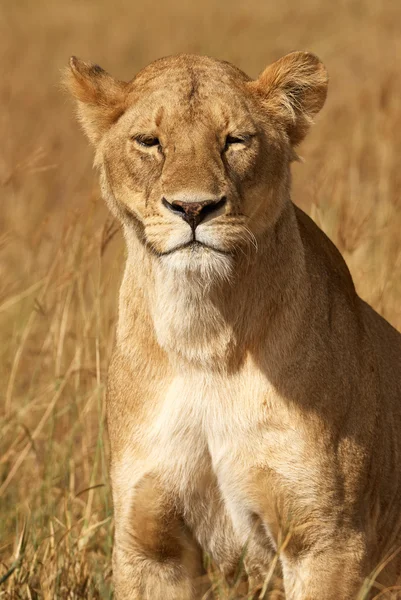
155 557
332 573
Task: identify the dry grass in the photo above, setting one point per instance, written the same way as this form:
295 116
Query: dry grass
62 255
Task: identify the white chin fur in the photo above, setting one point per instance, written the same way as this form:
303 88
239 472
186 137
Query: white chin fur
204 262
188 324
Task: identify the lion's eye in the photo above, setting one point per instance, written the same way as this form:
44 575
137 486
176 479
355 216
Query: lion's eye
147 141
232 140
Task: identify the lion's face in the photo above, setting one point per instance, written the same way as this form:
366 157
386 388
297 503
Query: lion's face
195 152
193 162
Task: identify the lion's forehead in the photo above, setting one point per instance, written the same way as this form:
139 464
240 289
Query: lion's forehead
189 70
180 81
215 104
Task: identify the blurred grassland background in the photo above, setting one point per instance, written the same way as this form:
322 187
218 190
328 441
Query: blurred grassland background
62 254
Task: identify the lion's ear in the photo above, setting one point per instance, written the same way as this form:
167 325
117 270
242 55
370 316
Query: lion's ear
101 99
294 89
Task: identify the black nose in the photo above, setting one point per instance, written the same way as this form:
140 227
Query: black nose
194 212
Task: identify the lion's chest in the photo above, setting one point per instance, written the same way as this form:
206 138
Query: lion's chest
202 420
221 444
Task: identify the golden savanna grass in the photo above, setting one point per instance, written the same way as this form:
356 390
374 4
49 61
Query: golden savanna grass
62 255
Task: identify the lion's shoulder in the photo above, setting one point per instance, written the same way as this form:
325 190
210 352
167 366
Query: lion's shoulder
322 255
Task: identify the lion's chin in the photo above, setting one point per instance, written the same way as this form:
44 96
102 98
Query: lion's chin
199 259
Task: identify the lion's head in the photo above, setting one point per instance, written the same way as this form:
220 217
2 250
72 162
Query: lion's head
193 154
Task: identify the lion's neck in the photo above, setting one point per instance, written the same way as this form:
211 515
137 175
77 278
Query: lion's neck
189 317
212 323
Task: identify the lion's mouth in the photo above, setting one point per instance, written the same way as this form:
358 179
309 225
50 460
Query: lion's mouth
194 246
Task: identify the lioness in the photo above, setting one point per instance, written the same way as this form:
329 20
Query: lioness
254 400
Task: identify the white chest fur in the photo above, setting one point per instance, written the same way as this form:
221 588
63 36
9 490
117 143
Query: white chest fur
232 431
207 413
201 426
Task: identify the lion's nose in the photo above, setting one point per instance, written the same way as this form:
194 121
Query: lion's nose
194 212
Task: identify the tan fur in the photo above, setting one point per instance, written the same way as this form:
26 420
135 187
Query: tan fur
253 396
